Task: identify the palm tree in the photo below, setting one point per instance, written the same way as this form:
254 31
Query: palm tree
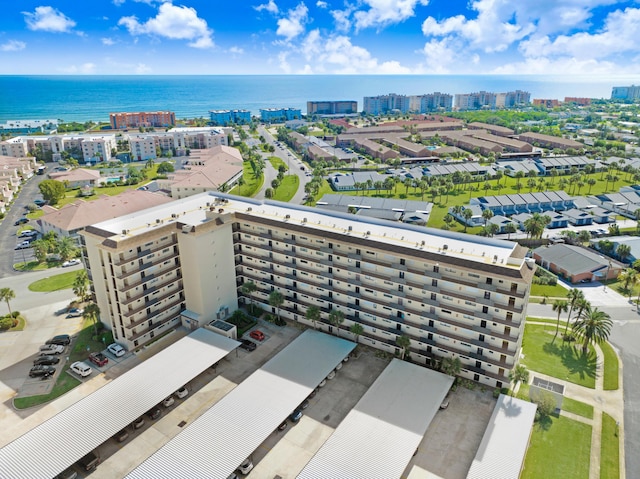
561 306
519 374
66 248
467 214
623 251
451 366
487 215
313 315
510 228
249 288
6 295
356 329
628 276
276 300
575 295
92 313
403 342
336 318
593 325
81 285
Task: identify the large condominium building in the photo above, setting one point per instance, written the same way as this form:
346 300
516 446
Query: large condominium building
430 102
342 107
142 118
452 295
512 99
489 100
546 102
270 115
92 147
379 105
24 127
580 101
228 117
144 146
625 92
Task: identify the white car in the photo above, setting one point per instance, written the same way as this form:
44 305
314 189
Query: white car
71 262
48 349
183 392
117 350
168 402
81 369
245 467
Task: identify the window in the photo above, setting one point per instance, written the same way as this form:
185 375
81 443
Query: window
489 280
436 269
402 261
487 295
401 275
434 282
485 309
433 297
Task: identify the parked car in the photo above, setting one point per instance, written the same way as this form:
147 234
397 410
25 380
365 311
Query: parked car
245 467
49 349
28 234
98 359
283 426
39 202
154 413
445 403
183 392
23 245
67 474
75 312
295 416
322 383
248 345
313 394
71 262
90 461
331 375
339 366
121 435
81 369
46 360
304 405
117 350
21 221
61 339
258 335
138 423
41 370
168 402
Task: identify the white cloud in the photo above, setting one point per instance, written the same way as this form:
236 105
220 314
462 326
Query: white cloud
142 69
175 23
283 62
13 46
386 12
270 7
48 19
84 69
293 25
321 4
117 3
342 19
336 54
107 41
236 50
562 66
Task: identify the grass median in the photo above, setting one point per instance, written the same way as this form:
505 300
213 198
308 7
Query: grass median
54 283
609 449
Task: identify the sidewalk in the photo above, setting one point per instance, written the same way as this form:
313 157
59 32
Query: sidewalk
611 402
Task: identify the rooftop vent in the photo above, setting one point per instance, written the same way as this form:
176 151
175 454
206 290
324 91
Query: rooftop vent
287 217
174 215
221 210
444 247
124 232
249 208
158 221
304 220
350 228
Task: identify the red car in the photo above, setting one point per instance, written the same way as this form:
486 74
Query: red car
98 359
258 335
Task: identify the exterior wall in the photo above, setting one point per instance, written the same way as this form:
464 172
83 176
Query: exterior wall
332 107
16 149
280 114
146 119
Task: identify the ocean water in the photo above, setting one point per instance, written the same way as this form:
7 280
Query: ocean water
82 98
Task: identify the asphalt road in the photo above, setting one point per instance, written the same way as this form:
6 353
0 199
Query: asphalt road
8 238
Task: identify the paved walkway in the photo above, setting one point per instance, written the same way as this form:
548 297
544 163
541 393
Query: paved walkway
611 402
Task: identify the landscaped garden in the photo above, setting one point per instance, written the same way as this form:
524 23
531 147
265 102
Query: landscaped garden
287 188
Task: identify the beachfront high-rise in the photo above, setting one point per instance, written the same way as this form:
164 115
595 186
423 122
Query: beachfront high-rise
229 117
625 92
452 295
138 119
340 107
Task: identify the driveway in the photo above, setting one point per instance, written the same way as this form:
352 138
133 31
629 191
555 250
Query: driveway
598 294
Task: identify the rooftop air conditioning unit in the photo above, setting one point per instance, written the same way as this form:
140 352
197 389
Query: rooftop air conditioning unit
286 217
158 221
174 215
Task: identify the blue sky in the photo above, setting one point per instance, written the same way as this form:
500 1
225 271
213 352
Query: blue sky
320 37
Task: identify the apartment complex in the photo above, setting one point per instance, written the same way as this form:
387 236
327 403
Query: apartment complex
625 92
271 115
452 295
25 127
229 117
490 100
546 102
145 146
430 102
381 104
580 101
341 107
146 119
88 147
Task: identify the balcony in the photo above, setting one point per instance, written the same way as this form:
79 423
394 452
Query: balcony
144 253
177 291
141 267
153 327
126 300
149 277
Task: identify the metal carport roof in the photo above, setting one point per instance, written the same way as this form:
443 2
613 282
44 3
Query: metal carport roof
59 442
381 433
505 440
216 443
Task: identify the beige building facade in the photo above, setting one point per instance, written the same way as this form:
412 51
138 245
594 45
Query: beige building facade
452 295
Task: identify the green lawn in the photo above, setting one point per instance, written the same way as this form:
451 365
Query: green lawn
325 189
555 291
34 215
609 449
287 188
555 359
277 162
64 383
54 283
559 449
251 184
610 367
21 324
577 407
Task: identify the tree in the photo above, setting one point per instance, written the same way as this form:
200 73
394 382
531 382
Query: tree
561 306
52 191
313 315
40 249
575 295
467 214
519 374
6 295
81 285
593 326
336 318
403 342
546 404
451 366
487 215
249 288
356 329
165 167
268 193
66 248
276 300
510 228
628 276
92 313
623 251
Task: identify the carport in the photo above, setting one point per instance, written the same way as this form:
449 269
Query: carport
58 443
216 443
381 433
505 441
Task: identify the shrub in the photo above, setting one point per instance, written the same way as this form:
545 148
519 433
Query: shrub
546 405
15 314
6 323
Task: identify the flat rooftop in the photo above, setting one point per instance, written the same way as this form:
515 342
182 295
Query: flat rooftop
192 211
